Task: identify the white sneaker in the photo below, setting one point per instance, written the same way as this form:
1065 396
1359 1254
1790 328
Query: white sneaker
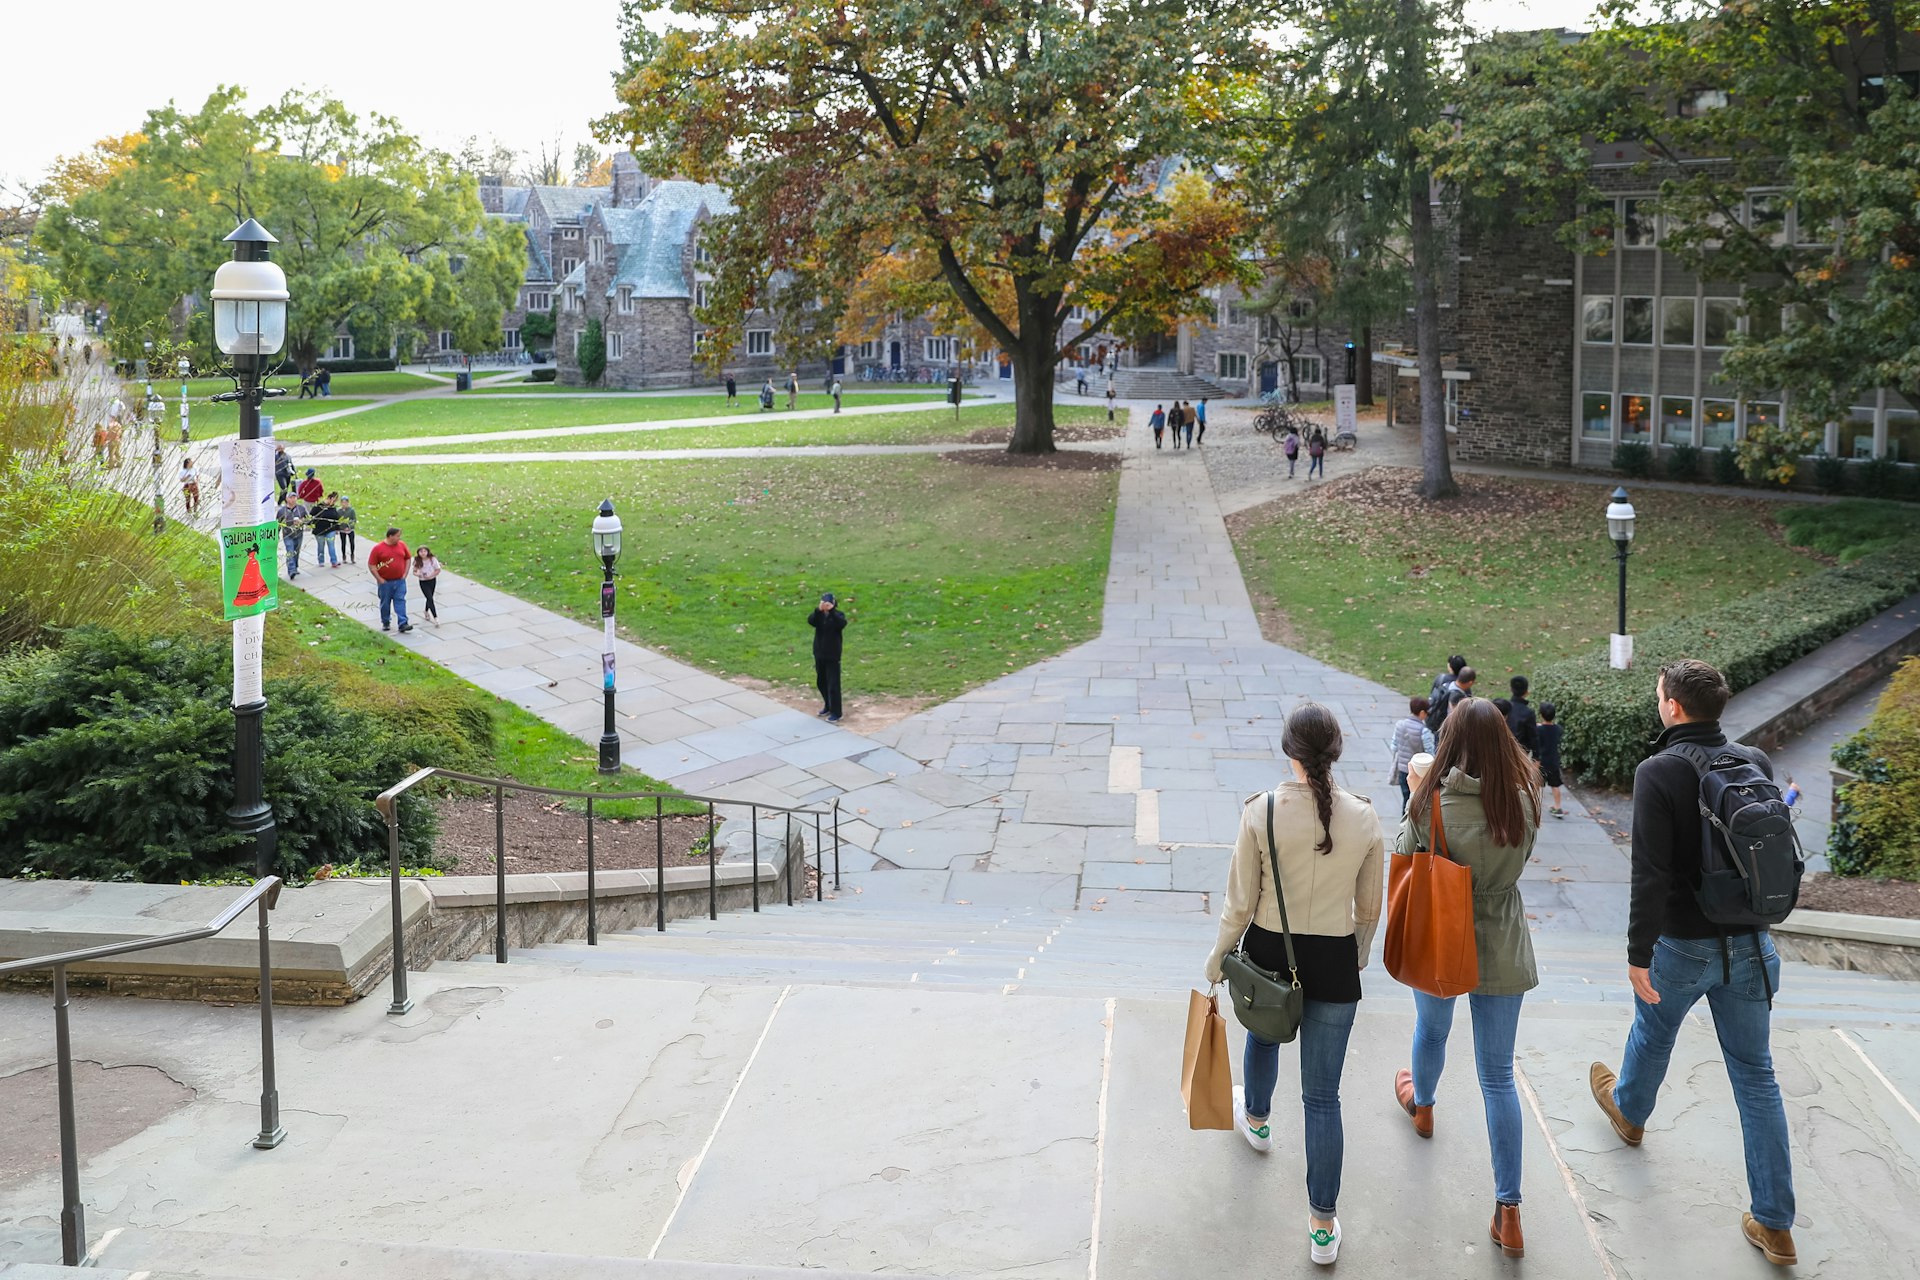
1326 1244
1259 1137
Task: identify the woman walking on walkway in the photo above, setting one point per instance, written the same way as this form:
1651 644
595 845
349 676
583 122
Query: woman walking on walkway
1489 814
1327 845
426 571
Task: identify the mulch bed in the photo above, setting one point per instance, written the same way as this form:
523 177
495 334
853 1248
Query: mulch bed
543 837
1071 460
1068 434
1861 896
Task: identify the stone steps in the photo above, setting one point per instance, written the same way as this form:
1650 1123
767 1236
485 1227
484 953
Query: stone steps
130 1253
1082 955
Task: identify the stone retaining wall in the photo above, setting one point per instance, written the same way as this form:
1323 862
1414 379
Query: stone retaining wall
1865 944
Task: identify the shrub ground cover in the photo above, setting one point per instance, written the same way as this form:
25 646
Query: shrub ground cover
1515 574
477 416
920 427
951 573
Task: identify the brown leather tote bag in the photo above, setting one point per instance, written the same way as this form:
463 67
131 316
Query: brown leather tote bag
1429 944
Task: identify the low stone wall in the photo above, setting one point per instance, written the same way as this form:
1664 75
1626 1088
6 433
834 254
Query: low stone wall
330 942
1767 714
1865 944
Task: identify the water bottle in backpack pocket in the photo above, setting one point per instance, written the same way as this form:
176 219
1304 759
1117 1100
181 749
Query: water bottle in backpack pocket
1750 856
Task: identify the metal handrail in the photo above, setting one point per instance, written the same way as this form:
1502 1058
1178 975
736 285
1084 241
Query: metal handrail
387 803
265 894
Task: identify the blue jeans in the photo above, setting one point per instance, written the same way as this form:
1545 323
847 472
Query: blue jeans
1318 464
1496 1020
1324 1028
327 545
393 595
291 541
1683 970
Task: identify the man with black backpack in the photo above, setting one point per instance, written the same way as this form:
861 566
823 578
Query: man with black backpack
1715 861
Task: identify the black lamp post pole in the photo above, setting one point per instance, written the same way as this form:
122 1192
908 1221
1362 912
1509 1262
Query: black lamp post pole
1621 544
609 740
250 815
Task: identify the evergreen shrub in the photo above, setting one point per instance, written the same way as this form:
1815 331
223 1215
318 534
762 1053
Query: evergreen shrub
116 761
1877 828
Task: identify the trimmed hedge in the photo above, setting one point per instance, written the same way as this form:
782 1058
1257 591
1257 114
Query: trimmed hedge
1877 830
1609 716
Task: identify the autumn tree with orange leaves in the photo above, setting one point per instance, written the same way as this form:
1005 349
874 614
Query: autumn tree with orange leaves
1002 161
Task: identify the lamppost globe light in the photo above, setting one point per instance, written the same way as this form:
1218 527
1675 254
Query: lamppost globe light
249 308
606 532
1620 517
184 367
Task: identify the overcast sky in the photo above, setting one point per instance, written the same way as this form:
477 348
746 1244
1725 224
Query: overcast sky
486 68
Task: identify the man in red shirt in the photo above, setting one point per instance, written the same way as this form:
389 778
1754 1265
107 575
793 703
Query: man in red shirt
388 562
310 489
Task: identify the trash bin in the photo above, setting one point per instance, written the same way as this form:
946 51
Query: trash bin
463 381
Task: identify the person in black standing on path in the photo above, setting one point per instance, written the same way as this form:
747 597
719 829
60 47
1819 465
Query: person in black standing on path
828 623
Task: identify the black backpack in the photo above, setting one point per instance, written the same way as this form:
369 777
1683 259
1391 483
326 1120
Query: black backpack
1750 855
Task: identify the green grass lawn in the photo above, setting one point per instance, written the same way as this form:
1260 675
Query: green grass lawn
344 384
212 421
478 416
1516 574
851 389
952 573
919 427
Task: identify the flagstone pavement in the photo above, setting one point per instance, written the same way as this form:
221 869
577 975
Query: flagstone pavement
1108 777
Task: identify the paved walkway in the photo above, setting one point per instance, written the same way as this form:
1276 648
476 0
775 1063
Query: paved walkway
1104 777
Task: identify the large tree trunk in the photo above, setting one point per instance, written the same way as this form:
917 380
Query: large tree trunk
1033 367
1436 469
1363 374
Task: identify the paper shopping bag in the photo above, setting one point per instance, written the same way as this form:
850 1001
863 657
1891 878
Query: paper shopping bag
1206 1076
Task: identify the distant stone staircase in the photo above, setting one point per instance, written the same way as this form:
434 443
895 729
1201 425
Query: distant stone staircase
1163 385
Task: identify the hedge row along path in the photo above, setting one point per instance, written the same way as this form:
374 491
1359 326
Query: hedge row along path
1106 777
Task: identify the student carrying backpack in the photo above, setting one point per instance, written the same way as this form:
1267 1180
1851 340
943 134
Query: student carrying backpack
1715 861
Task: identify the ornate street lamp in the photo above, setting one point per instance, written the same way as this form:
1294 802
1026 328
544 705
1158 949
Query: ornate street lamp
1620 519
606 545
249 325
156 410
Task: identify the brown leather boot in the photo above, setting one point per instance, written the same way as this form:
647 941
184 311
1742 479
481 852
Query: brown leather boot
1403 1092
1777 1245
1601 1079
1505 1231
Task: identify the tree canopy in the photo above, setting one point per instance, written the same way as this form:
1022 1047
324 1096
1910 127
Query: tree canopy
1012 160
376 230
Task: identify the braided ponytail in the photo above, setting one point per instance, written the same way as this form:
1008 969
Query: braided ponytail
1312 737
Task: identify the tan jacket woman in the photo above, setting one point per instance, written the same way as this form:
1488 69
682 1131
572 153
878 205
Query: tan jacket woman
1329 849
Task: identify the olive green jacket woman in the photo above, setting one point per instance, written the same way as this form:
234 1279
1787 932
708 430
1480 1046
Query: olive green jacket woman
1499 917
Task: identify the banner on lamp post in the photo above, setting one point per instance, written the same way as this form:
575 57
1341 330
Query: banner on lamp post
249 536
1346 409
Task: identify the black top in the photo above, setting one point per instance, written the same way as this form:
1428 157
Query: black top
827 627
1329 967
1666 842
326 518
1546 745
1524 726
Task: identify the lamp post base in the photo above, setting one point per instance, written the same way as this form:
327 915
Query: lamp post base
1620 652
610 754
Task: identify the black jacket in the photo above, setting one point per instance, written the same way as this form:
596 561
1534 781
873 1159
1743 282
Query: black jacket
1666 842
1453 697
826 632
1521 721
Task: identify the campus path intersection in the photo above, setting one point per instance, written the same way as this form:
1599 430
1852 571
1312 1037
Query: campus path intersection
1104 777
966 1065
